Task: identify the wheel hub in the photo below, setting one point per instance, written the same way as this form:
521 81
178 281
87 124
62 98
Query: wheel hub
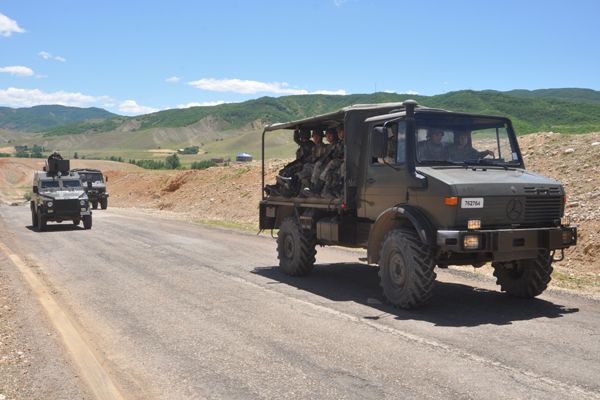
397 269
289 247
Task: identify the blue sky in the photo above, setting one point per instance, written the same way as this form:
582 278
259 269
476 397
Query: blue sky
134 57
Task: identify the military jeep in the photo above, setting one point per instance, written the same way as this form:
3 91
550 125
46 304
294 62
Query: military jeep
94 186
422 188
58 196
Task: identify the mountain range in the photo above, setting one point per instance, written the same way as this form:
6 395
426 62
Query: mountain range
568 110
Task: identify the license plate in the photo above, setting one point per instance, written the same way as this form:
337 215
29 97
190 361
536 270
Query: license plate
473 202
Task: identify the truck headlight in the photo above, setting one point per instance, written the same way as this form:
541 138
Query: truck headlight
49 204
471 242
567 236
474 224
82 202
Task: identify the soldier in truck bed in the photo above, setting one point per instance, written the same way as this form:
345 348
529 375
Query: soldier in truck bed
287 180
318 151
326 175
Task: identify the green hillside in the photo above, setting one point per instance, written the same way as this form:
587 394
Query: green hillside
42 118
560 110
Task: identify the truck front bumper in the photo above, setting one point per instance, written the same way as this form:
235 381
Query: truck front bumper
507 244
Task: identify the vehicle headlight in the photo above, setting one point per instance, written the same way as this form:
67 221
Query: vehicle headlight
82 202
50 204
471 242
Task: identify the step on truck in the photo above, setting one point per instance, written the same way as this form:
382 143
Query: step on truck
422 188
58 195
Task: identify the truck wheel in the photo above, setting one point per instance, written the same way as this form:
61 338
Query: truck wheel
41 222
87 222
295 249
524 278
104 204
406 269
94 205
76 221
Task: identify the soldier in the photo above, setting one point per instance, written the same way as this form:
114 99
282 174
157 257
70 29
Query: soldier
462 150
316 184
318 151
334 173
432 149
287 181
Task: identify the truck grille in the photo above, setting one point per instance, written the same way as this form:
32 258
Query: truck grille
66 206
511 211
542 209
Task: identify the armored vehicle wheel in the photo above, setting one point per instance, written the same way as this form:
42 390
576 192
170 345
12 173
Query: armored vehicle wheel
295 248
87 222
41 222
104 204
76 221
94 205
34 221
406 269
524 278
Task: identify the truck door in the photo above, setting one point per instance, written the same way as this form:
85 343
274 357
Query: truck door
384 184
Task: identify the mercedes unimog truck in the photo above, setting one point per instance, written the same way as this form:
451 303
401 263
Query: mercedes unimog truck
58 196
421 188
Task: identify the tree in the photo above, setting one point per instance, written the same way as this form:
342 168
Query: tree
75 156
172 161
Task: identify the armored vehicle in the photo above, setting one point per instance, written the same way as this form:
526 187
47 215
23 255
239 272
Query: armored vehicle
58 196
422 188
94 186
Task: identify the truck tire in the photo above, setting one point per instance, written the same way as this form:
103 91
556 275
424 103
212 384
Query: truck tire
41 222
104 204
524 278
94 205
406 269
295 249
87 222
76 221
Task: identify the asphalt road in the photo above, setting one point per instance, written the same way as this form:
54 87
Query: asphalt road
176 310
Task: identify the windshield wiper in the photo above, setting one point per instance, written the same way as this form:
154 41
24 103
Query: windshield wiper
440 162
491 162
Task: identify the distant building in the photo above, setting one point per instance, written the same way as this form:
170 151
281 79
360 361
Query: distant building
243 157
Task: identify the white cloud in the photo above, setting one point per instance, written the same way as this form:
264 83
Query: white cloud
17 70
132 107
9 26
413 92
47 56
173 79
203 104
16 97
339 3
340 92
252 87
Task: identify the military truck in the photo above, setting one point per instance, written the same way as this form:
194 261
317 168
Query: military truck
58 196
415 198
94 185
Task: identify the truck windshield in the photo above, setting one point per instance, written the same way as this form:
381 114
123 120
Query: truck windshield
465 140
71 183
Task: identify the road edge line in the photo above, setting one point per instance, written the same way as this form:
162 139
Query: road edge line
95 376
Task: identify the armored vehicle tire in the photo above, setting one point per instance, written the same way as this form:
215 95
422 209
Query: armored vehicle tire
41 222
104 204
295 249
524 278
34 220
87 222
76 221
94 205
406 269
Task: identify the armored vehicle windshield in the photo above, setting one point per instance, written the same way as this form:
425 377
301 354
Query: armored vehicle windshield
71 183
49 184
91 177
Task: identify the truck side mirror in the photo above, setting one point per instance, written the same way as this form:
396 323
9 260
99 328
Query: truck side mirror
35 189
379 142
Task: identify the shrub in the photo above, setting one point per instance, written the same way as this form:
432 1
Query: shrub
203 164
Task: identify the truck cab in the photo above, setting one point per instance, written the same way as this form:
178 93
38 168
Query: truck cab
424 188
